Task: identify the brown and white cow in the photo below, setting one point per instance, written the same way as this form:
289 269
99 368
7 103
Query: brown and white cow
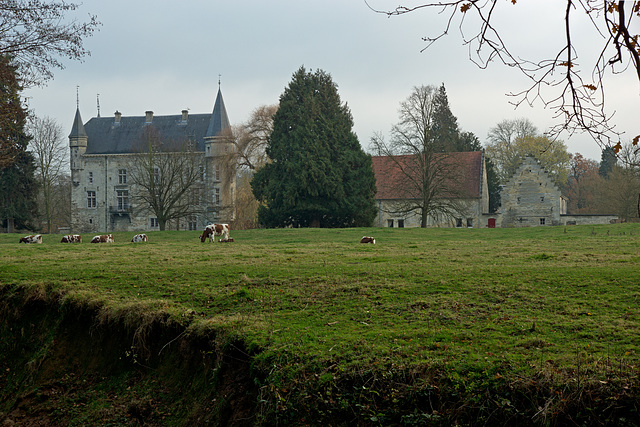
139 238
104 238
71 238
212 230
32 238
367 239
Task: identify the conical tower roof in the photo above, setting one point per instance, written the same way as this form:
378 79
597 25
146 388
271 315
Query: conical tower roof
219 119
77 131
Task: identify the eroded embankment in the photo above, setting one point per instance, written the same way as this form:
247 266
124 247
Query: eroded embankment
66 364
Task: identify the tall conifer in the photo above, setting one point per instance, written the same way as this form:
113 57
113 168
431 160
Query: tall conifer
18 185
318 176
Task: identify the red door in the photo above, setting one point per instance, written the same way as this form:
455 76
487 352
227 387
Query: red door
492 223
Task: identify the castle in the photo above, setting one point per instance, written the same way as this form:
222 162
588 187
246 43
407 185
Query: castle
104 191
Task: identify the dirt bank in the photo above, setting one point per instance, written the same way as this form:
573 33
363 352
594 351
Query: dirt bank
63 364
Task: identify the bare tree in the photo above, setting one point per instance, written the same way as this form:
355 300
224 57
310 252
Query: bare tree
167 178
424 179
51 154
249 155
250 138
35 34
508 131
577 96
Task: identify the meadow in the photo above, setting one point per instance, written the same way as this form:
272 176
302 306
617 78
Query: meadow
486 317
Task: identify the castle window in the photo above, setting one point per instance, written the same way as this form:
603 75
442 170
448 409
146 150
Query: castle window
91 200
90 177
216 196
401 223
156 175
192 224
217 173
390 223
154 223
469 222
122 199
542 221
122 176
542 198
458 222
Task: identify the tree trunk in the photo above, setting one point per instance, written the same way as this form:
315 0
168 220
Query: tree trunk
10 225
423 220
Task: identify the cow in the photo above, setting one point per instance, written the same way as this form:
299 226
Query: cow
213 230
139 238
71 238
32 238
367 239
105 238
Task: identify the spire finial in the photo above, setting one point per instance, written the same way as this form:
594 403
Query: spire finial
98 102
77 97
219 75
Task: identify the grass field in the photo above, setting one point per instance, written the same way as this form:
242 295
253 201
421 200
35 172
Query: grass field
480 309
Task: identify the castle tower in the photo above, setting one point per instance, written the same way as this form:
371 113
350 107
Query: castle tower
221 171
78 146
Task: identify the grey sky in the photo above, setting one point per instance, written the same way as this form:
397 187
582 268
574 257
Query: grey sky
166 56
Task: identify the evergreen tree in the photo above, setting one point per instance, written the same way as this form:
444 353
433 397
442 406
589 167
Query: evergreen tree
445 125
607 162
18 185
318 176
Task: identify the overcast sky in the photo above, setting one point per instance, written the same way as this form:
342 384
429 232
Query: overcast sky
166 56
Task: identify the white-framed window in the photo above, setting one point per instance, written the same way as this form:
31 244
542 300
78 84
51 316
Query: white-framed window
122 176
92 202
122 199
90 177
154 223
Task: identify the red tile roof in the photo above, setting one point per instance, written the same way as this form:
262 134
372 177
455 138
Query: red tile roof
392 183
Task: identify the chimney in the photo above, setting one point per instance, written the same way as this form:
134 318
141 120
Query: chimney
117 117
185 115
149 116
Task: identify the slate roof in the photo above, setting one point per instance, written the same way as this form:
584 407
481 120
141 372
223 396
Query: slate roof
390 178
105 136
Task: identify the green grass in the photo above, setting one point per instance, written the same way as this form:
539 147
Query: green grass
473 305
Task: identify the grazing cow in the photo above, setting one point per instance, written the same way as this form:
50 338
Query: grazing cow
367 239
71 238
32 238
213 230
105 238
139 238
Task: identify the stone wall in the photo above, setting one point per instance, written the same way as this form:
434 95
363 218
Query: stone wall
530 198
